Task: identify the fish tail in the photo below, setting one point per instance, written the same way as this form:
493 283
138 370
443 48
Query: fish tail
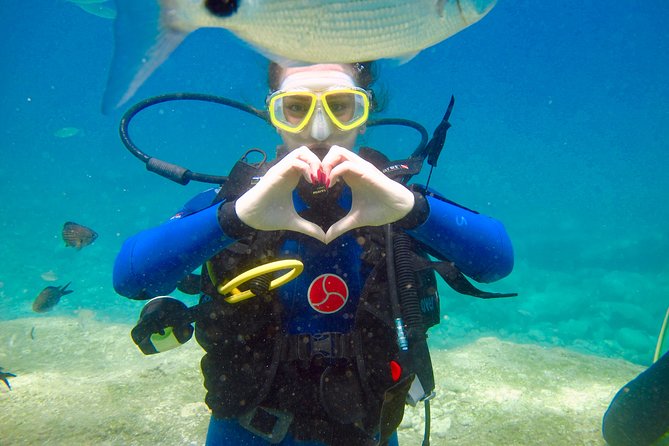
141 44
64 290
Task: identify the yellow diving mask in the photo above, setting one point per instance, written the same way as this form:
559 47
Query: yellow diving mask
347 107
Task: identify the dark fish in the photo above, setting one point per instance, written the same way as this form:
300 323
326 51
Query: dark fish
78 236
4 376
49 298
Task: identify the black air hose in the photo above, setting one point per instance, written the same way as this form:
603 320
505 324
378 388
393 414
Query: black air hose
417 356
260 285
406 284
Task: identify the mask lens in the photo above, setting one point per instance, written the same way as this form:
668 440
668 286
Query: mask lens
342 106
292 111
296 108
347 108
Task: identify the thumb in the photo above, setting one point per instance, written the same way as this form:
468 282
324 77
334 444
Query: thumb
306 227
340 227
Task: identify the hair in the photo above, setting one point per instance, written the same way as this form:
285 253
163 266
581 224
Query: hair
364 75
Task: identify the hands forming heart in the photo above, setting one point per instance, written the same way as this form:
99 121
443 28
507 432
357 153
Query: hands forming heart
377 199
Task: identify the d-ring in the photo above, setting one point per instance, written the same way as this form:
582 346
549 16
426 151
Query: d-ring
295 266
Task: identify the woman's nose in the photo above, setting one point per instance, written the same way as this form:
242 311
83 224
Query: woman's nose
320 127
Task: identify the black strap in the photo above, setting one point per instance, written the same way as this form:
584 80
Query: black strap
456 280
392 409
428 418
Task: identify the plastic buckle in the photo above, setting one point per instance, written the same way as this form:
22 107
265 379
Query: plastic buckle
322 345
417 394
270 424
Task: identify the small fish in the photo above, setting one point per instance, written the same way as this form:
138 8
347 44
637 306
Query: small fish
4 376
49 298
306 31
66 132
77 235
49 276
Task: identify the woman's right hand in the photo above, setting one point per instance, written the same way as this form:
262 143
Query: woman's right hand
268 206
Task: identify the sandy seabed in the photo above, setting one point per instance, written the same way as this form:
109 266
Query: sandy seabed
83 382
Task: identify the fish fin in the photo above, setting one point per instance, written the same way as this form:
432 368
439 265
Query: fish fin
141 44
64 291
283 61
399 60
98 10
406 57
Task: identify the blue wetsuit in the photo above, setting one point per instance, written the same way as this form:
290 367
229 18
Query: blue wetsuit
153 261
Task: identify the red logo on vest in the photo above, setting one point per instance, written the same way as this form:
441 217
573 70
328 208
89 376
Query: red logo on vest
327 293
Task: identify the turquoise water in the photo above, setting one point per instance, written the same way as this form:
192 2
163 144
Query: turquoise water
560 130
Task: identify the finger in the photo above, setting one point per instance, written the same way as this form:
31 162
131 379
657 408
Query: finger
307 228
306 154
286 173
342 153
349 222
335 156
311 160
301 153
354 163
349 171
332 234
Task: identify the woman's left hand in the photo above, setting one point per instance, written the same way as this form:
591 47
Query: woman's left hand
268 206
377 199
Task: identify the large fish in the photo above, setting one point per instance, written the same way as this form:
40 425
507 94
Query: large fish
307 31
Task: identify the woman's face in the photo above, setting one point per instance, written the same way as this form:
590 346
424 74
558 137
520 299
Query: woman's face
320 133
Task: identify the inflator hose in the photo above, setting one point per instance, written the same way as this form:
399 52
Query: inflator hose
406 284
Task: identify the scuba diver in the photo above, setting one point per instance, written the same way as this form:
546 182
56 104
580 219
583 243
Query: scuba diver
328 352
639 413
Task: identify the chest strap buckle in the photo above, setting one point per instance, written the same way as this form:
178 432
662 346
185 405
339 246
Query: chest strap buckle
331 345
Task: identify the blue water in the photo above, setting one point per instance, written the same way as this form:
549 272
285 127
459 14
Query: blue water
560 130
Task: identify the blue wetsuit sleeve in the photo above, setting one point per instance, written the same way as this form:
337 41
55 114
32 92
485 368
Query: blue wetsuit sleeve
478 245
151 262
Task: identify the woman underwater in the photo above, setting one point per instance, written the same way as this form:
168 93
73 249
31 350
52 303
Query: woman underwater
316 360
